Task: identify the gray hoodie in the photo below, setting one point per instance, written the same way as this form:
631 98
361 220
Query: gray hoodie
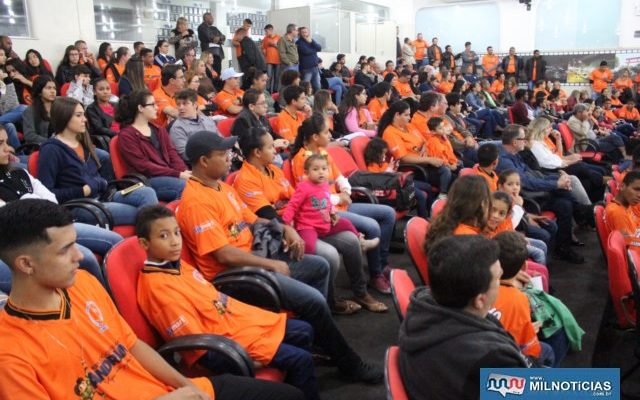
183 128
442 350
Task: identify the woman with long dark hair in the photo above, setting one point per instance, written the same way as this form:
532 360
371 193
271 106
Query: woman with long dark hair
71 58
374 220
101 113
133 77
147 149
36 65
68 166
17 71
105 52
353 111
161 55
115 69
35 119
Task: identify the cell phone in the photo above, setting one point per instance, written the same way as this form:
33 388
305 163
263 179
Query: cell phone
132 188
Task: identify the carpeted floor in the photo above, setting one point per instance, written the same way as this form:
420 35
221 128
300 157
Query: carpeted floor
583 288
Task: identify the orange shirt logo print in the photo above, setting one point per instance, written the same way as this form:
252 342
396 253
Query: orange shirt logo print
95 316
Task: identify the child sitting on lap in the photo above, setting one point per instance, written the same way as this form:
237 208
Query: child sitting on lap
311 212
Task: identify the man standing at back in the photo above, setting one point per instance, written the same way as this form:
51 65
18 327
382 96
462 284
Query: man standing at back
490 63
434 52
211 39
288 50
535 69
448 332
512 64
308 54
420 46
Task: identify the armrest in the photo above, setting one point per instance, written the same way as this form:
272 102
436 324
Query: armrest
136 177
236 356
419 171
363 192
123 183
101 141
250 285
532 201
589 145
27 148
98 210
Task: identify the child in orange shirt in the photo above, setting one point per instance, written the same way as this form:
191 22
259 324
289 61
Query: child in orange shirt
375 157
439 146
619 213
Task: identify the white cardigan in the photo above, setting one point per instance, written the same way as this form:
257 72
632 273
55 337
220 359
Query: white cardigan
546 158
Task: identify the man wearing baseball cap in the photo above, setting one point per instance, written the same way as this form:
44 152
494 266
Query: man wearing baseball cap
215 226
229 99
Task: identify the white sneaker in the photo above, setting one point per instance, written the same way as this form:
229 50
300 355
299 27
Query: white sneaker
368 244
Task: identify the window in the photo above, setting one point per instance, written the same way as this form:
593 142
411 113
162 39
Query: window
14 20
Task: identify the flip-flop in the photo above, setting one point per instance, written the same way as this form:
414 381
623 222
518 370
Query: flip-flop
345 307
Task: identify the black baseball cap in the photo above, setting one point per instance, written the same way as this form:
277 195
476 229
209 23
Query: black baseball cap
203 142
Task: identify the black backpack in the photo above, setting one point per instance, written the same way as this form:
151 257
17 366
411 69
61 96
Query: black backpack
391 188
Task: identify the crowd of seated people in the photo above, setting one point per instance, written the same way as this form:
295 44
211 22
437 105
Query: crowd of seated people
174 128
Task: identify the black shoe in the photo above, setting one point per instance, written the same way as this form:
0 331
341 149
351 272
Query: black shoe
576 242
567 254
361 371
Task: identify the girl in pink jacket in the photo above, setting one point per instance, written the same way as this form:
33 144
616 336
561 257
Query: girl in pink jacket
310 210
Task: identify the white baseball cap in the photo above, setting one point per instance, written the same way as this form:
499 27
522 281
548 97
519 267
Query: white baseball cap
230 73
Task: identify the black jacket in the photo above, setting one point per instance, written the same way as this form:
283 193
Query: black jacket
99 121
210 34
363 79
442 350
541 68
505 63
251 56
247 120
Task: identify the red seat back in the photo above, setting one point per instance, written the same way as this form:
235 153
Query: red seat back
343 160
608 198
273 121
224 126
287 170
115 90
231 177
64 89
567 136
414 235
123 264
401 288
619 285
119 166
511 119
437 207
358 144
186 254
393 379
467 171
601 228
275 96
33 164
613 187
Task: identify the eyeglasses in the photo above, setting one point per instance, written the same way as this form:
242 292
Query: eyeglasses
521 139
261 103
150 105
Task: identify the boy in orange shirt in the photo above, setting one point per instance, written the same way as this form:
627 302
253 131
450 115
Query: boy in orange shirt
621 213
438 144
151 71
229 99
62 336
380 102
403 87
600 78
178 301
488 157
291 117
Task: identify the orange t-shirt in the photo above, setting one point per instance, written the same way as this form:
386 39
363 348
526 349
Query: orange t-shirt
288 125
491 178
258 189
378 167
489 62
224 99
445 87
632 115
421 49
610 116
600 79
178 301
464 229
110 75
496 87
152 77
376 109
163 100
623 83
454 132
211 219
404 89
297 169
513 311
511 65
419 122
440 147
102 64
404 143
41 353
272 56
620 218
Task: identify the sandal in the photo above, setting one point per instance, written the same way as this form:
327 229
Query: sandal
371 304
345 307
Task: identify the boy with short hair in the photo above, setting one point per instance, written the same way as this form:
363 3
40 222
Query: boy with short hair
178 301
620 214
488 157
438 144
80 88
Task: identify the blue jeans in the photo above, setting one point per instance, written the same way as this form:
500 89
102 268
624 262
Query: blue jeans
337 86
441 177
14 116
88 263
374 221
12 135
559 342
312 76
537 251
123 209
545 232
311 270
96 239
273 71
168 188
547 356
422 190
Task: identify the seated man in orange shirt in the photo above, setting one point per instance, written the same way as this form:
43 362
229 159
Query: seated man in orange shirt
151 71
403 87
295 111
62 336
380 103
172 81
229 99
216 228
498 84
178 301
439 146
512 307
622 214
630 113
